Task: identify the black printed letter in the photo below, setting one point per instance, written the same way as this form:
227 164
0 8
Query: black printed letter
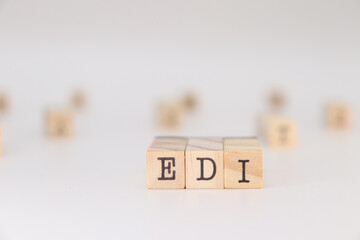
202 169
168 167
243 171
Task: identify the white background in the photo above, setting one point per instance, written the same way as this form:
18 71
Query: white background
129 55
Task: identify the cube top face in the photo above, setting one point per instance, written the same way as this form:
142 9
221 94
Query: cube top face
60 123
205 144
205 163
243 163
165 160
168 144
338 116
239 144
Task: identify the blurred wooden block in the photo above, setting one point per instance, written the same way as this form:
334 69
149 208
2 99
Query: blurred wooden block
278 131
205 163
1 142
165 160
277 100
243 163
190 101
171 115
60 123
262 125
338 116
78 100
281 132
4 102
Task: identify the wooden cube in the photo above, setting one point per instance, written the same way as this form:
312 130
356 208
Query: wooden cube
4 102
338 116
171 115
205 163
1 142
262 125
282 132
278 131
243 163
165 160
78 100
60 123
277 100
190 101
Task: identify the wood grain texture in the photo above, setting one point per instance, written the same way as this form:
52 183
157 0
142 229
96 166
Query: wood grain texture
242 163
60 123
205 163
165 160
338 116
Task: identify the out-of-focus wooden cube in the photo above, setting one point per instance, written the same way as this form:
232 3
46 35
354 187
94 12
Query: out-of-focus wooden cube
171 115
78 99
277 100
1 142
4 102
190 101
338 116
60 123
278 131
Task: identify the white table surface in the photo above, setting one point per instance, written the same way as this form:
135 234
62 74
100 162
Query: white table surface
94 187
131 54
